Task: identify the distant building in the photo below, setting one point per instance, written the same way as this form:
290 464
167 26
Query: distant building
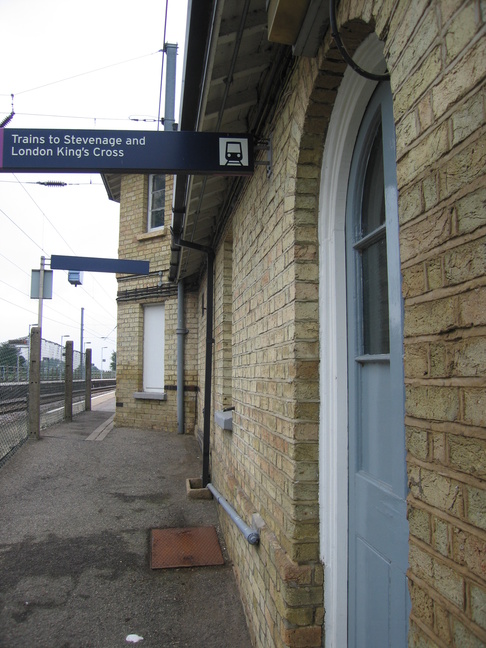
347 396
147 309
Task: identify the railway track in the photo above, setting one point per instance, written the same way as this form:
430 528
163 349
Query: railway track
14 397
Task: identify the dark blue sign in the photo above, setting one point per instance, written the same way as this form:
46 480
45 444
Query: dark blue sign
80 151
97 264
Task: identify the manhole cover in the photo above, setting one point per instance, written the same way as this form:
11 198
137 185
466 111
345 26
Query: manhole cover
194 547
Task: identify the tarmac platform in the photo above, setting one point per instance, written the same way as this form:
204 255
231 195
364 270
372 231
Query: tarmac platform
77 508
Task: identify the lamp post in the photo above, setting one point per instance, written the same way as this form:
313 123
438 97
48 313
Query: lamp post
102 360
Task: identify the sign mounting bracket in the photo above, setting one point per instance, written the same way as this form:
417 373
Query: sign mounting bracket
265 145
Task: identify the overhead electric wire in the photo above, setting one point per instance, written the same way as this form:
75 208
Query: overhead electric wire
32 312
53 310
101 323
76 76
23 232
113 329
64 241
12 287
14 264
43 213
99 304
110 315
72 321
54 183
88 118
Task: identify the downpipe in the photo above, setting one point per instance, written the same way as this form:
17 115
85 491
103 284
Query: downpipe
209 348
252 536
181 332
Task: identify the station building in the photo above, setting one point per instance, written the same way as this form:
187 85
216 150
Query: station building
347 295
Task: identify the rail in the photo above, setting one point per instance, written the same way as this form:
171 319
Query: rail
14 408
51 392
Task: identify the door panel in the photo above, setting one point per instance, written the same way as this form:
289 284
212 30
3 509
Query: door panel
371 611
375 441
378 529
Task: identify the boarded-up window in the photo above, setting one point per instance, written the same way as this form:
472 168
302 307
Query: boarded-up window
153 348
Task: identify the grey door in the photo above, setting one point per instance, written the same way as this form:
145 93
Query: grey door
378 531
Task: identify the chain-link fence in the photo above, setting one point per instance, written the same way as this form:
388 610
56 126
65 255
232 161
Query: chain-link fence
14 393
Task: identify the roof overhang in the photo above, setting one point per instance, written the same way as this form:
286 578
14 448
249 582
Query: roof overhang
233 74
112 182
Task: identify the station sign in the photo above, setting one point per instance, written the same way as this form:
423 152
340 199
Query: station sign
103 151
97 264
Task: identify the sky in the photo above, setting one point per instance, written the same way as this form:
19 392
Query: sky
53 55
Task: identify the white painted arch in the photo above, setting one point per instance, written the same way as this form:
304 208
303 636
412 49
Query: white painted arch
351 101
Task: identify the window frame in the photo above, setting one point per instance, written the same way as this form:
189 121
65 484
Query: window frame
150 209
153 330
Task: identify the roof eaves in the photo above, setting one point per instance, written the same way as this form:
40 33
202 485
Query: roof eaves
200 15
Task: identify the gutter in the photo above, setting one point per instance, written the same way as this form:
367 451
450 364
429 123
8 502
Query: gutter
181 193
200 16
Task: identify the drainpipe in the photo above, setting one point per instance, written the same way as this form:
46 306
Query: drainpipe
209 349
251 535
209 368
181 332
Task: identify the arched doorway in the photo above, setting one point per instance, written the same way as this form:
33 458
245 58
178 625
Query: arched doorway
353 372
377 511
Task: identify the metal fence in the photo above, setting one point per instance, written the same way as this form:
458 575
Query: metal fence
14 394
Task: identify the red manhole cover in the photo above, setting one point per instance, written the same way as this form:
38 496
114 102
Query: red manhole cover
195 547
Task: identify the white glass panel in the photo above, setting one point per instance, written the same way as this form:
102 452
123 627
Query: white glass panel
153 348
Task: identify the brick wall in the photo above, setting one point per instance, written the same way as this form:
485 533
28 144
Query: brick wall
223 310
269 463
437 55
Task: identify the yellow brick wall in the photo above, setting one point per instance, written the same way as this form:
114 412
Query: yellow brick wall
223 308
269 463
438 82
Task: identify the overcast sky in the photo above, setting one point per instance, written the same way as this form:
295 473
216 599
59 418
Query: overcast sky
49 51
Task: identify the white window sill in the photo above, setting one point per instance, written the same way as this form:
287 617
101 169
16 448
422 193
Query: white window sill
161 396
148 236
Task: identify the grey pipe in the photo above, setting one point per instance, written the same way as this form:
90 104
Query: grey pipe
181 332
170 86
252 536
209 349
209 368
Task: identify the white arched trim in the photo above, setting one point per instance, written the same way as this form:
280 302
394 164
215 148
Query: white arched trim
351 101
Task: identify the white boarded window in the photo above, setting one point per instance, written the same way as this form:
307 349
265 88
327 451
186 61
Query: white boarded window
156 202
153 348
